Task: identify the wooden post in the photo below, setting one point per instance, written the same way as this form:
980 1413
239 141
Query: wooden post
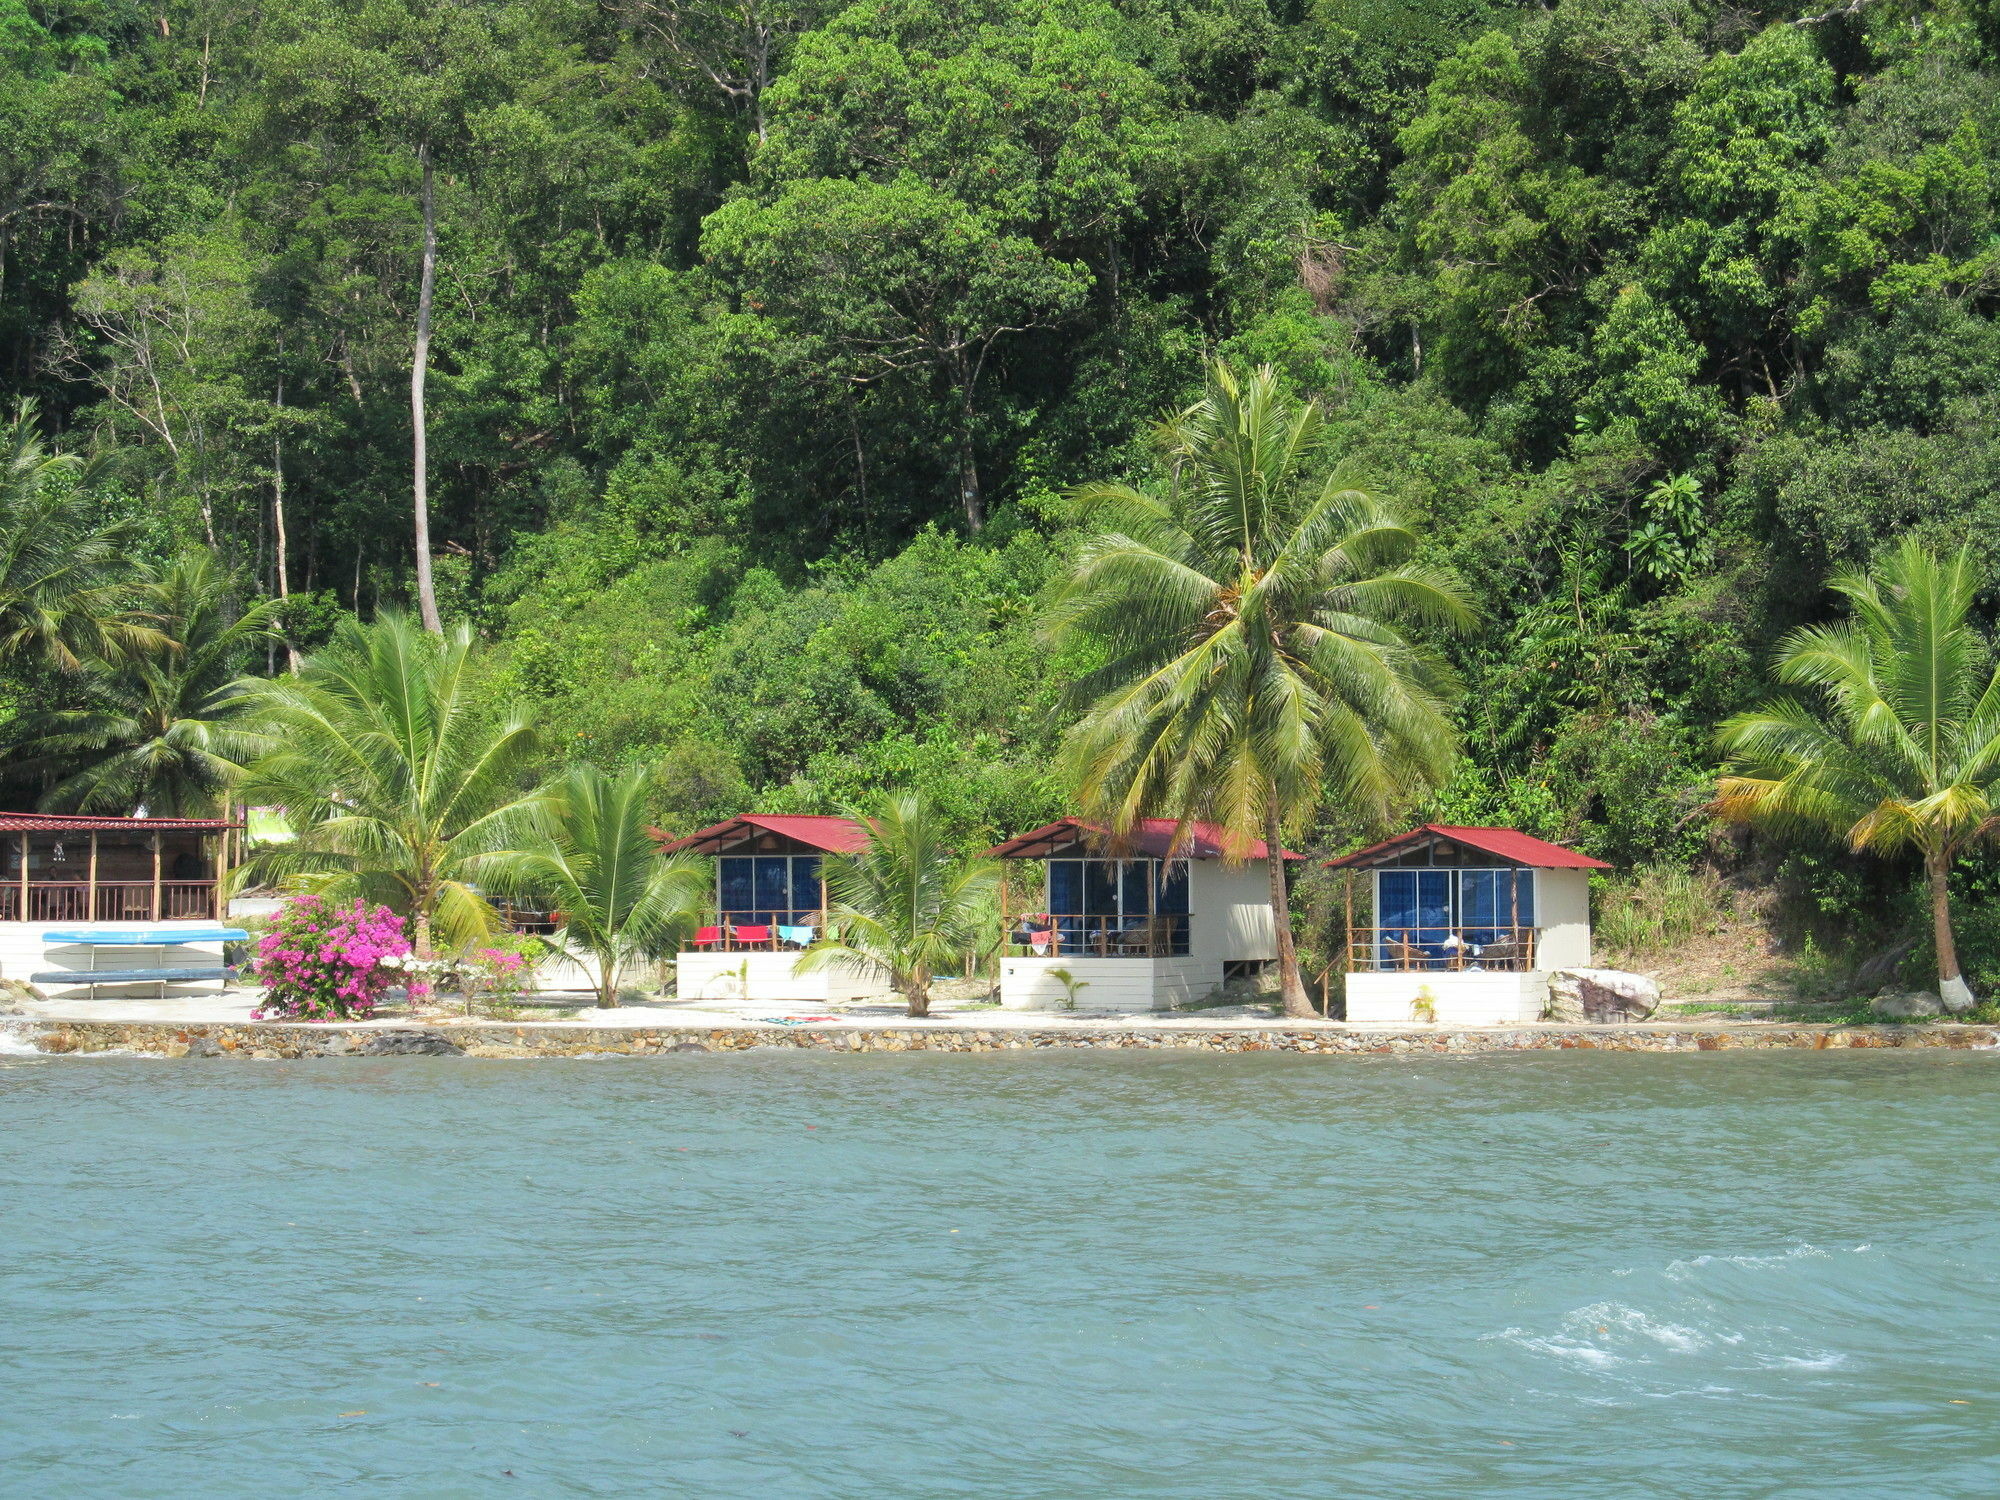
1347 960
1006 909
156 877
23 913
90 898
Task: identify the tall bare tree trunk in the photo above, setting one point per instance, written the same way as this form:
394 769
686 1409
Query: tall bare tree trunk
1291 984
419 369
968 467
1952 988
278 505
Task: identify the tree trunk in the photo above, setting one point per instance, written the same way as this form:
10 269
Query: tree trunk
419 368
607 981
1291 984
918 992
278 508
1952 989
968 468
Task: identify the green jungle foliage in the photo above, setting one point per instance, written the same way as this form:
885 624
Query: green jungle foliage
769 338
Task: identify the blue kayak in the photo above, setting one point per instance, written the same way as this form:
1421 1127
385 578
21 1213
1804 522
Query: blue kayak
159 937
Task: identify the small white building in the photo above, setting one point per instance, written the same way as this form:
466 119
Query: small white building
770 904
78 892
1154 924
1463 926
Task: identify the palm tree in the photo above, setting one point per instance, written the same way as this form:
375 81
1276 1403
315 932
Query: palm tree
1904 751
62 565
396 774
162 726
1256 656
906 902
591 858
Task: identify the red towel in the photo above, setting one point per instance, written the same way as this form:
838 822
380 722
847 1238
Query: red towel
753 934
704 936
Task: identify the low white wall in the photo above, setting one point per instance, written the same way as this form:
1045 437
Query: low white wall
769 976
1459 998
23 954
1231 912
1119 984
1562 912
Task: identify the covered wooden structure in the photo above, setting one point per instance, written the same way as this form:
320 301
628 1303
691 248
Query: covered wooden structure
1462 924
61 867
770 904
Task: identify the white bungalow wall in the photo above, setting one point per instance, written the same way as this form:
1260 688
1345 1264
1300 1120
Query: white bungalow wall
24 954
1230 913
768 976
1457 998
1562 915
1116 984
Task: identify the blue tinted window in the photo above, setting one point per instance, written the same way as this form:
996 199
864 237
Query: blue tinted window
736 884
1138 876
774 883
1396 898
805 882
1100 888
1174 894
1065 886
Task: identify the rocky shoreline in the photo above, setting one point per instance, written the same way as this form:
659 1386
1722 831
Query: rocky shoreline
269 1041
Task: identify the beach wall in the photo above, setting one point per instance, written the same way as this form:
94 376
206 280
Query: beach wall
270 1040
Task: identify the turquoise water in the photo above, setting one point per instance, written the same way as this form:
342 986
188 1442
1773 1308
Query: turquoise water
1060 1276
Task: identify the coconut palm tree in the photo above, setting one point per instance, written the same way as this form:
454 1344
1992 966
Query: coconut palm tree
907 902
1257 658
1902 752
591 858
396 773
62 565
162 726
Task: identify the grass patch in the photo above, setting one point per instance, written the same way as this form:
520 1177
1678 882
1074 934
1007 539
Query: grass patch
1661 907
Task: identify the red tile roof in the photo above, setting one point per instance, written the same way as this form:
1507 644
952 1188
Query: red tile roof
11 822
1152 837
1502 843
834 835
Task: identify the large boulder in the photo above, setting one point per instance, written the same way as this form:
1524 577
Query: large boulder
1598 995
1902 1005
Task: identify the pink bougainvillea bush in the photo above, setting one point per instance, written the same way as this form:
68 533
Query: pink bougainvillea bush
323 961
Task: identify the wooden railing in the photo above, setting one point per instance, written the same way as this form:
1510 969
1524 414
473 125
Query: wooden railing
1046 936
756 931
111 901
1409 949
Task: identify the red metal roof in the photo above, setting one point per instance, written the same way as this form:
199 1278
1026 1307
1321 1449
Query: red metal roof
1152 837
1502 843
834 835
11 822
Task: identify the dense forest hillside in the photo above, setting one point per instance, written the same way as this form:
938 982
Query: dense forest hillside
763 338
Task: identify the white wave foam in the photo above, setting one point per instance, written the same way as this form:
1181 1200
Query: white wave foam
12 1045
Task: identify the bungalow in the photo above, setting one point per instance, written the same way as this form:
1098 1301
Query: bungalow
769 904
1137 924
1463 925
79 893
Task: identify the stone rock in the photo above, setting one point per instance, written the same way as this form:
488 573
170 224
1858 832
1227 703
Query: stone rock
202 1046
1594 996
688 1047
410 1044
1901 1005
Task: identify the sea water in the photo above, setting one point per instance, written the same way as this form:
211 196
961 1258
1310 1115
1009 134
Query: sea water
1037 1277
